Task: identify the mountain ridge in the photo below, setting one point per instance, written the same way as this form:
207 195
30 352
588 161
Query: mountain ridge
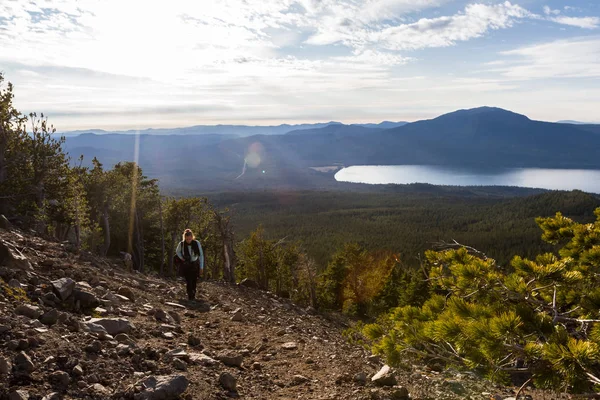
487 137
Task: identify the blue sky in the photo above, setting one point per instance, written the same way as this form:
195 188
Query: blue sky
137 64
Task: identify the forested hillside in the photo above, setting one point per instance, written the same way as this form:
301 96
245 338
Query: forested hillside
405 222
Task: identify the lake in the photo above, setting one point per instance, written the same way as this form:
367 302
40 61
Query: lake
555 179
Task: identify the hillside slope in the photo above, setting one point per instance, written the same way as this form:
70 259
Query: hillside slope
144 333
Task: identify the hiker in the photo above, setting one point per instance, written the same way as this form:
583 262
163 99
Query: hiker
190 253
127 260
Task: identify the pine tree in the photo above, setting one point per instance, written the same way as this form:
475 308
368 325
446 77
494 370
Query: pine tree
537 316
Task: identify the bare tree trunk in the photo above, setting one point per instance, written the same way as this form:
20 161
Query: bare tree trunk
139 242
162 239
3 166
77 227
226 264
173 237
106 229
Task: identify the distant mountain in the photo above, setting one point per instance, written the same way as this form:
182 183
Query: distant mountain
337 130
484 137
384 124
236 130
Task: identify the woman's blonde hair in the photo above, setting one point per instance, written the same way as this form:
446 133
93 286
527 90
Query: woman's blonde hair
188 232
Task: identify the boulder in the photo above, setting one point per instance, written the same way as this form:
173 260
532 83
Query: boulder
60 379
289 346
49 317
114 326
29 311
127 292
231 359
19 395
384 377
249 283
87 300
11 257
23 363
168 387
400 393
63 287
5 366
228 382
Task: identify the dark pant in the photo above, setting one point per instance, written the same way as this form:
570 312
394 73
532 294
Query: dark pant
191 271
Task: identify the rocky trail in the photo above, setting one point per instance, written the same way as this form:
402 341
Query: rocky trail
75 326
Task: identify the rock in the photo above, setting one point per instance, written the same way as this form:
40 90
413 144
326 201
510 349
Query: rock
384 377
455 387
78 370
179 364
19 395
5 223
100 390
86 299
257 366
194 340
127 292
176 317
95 327
176 353
399 393
114 326
50 299
228 382
124 338
237 315
4 328
112 299
249 283
13 283
289 346
168 387
231 359
202 359
360 378
11 257
162 316
5 366
374 359
52 396
94 347
122 298
180 306
50 317
63 287
29 311
60 379
23 363
299 379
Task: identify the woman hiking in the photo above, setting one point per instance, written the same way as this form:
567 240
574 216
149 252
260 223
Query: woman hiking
190 253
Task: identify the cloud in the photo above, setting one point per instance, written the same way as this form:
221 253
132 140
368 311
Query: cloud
476 20
570 58
549 11
580 22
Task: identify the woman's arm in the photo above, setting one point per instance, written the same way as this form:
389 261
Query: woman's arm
179 252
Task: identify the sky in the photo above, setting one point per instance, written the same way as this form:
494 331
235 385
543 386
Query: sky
136 64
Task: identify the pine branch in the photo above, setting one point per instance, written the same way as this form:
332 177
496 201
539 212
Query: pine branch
521 388
442 245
